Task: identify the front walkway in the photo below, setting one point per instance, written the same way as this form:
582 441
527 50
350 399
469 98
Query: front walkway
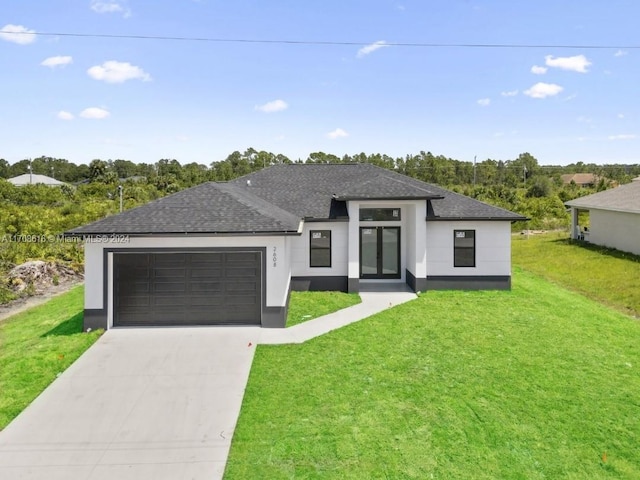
151 404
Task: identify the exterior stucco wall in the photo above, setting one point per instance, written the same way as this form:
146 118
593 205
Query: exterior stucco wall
493 248
619 230
277 275
339 250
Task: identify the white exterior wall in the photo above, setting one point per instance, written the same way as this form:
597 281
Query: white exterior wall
493 248
277 276
619 230
339 250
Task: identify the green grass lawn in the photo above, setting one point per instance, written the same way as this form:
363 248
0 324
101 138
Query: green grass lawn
535 383
609 276
306 306
36 346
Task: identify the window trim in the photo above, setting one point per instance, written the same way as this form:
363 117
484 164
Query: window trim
312 248
456 248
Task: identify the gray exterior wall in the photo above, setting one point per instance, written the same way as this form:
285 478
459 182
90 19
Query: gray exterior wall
497 282
329 284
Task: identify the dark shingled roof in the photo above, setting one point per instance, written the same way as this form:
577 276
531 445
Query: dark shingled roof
275 199
207 208
307 189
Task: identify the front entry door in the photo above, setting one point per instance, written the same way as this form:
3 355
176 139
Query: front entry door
379 252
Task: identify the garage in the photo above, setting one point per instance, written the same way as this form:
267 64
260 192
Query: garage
187 288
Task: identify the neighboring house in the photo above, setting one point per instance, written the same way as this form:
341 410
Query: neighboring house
33 178
580 179
230 253
614 217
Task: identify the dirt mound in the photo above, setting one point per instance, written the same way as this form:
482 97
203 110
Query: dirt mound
37 276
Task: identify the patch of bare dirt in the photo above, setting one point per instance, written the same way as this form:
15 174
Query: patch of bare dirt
37 282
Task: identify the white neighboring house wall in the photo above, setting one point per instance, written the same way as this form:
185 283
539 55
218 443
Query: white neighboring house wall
300 248
277 277
620 230
493 248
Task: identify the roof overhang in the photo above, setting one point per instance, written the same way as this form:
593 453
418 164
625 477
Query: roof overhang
477 219
382 199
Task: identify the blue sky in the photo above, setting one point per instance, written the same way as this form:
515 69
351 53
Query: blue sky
80 98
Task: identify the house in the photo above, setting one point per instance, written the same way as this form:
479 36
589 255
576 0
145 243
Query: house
229 253
614 217
580 179
34 178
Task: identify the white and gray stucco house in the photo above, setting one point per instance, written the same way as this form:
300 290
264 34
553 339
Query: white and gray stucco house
230 253
614 217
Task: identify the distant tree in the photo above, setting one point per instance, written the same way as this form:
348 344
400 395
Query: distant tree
541 187
125 168
4 168
97 169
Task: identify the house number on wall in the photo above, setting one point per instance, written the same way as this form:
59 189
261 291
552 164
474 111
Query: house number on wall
275 256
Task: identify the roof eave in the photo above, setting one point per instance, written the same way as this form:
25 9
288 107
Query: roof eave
106 236
377 199
477 219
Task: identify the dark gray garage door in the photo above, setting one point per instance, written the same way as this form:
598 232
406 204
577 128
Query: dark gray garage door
191 288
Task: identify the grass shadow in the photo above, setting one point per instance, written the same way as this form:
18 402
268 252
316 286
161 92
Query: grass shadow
611 252
70 326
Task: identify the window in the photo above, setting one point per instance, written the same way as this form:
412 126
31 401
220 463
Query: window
464 248
380 214
320 248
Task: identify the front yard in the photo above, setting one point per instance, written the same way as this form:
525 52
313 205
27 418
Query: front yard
38 345
534 383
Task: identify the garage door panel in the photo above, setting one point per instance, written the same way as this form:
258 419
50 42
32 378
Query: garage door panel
207 287
134 301
214 273
187 288
246 287
212 301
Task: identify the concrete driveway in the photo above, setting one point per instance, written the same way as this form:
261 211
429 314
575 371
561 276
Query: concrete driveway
140 404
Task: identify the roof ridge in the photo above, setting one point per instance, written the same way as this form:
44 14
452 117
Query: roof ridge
250 199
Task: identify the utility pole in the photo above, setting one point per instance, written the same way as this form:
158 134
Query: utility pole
30 173
474 171
120 193
524 175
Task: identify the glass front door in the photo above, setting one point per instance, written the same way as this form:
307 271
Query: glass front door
379 252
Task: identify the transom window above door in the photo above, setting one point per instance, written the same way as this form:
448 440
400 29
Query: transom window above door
380 215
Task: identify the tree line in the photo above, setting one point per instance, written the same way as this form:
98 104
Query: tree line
170 174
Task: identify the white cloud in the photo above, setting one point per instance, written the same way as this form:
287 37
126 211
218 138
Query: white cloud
273 106
118 72
621 115
583 119
538 70
510 93
17 34
64 115
337 133
623 137
371 48
94 113
620 53
59 61
484 102
577 63
543 90
99 6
